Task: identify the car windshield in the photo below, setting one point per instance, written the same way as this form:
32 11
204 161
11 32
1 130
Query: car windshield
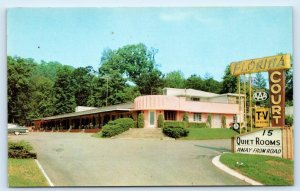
12 126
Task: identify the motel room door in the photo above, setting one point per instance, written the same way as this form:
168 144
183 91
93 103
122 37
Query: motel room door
152 119
217 121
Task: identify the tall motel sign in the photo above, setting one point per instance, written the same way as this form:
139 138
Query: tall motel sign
273 138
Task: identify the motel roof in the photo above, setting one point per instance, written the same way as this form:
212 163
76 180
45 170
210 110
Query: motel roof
119 107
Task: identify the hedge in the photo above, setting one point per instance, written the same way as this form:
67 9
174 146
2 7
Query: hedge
182 124
160 121
185 124
117 126
20 150
175 132
197 125
140 121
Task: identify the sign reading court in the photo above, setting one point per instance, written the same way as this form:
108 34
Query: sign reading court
267 141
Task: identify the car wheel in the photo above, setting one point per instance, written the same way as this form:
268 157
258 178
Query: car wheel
17 133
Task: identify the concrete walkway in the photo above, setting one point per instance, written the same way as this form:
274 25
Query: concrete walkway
77 159
142 133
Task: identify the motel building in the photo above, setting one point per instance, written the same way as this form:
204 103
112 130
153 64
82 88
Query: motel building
172 105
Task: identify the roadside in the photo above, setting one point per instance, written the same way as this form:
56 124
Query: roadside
272 170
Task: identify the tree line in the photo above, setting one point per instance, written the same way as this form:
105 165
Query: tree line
44 89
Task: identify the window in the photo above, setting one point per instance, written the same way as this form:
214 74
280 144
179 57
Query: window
170 115
195 99
197 116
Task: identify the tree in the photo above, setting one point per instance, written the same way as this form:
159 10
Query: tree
229 84
259 81
82 77
289 85
174 79
134 63
19 89
64 92
194 82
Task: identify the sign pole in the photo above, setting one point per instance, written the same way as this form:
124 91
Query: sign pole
245 103
250 100
240 108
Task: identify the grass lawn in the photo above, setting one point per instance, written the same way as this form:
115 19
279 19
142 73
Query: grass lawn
24 173
209 133
265 169
97 135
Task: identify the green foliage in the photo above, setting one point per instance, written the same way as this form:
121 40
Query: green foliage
20 149
229 84
182 124
209 120
174 79
223 121
160 121
175 131
289 120
259 81
141 122
19 89
186 117
207 84
135 62
64 92
196 125
117 126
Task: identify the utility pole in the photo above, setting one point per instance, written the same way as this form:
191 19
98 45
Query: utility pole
107 77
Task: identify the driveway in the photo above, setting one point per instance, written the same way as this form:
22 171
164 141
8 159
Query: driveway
77 159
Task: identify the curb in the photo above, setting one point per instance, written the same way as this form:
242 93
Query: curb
217 163
44 173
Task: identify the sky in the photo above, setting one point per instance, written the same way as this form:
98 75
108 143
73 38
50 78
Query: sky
193 40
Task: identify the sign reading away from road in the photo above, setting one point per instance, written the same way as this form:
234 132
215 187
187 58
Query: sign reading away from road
267 141
262 117
260 64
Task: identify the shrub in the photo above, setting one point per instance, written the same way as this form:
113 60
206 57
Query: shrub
196 125
182 124
135 124
223 121
141 122
160 121
20 150
289 120
175 132
117 126
186 117
209 120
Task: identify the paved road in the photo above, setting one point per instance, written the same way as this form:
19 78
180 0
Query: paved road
77 159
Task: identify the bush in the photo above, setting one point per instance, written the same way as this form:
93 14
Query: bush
209 120
186 117
175 132
289 120
182 124
196 125
135 124
117 126
223 121
141 122
160 121
20 150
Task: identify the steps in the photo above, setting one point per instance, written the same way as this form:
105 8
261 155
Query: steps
144 133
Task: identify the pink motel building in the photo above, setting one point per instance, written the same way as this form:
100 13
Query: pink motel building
172 105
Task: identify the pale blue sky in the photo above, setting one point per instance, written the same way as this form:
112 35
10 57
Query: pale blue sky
193 40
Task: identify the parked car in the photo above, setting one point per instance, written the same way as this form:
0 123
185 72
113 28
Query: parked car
16 129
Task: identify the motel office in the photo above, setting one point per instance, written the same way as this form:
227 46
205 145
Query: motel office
172 105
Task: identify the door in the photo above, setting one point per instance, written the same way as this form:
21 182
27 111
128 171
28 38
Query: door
152 119
217 121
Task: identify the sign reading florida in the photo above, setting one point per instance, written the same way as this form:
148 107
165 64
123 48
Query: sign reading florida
267 141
